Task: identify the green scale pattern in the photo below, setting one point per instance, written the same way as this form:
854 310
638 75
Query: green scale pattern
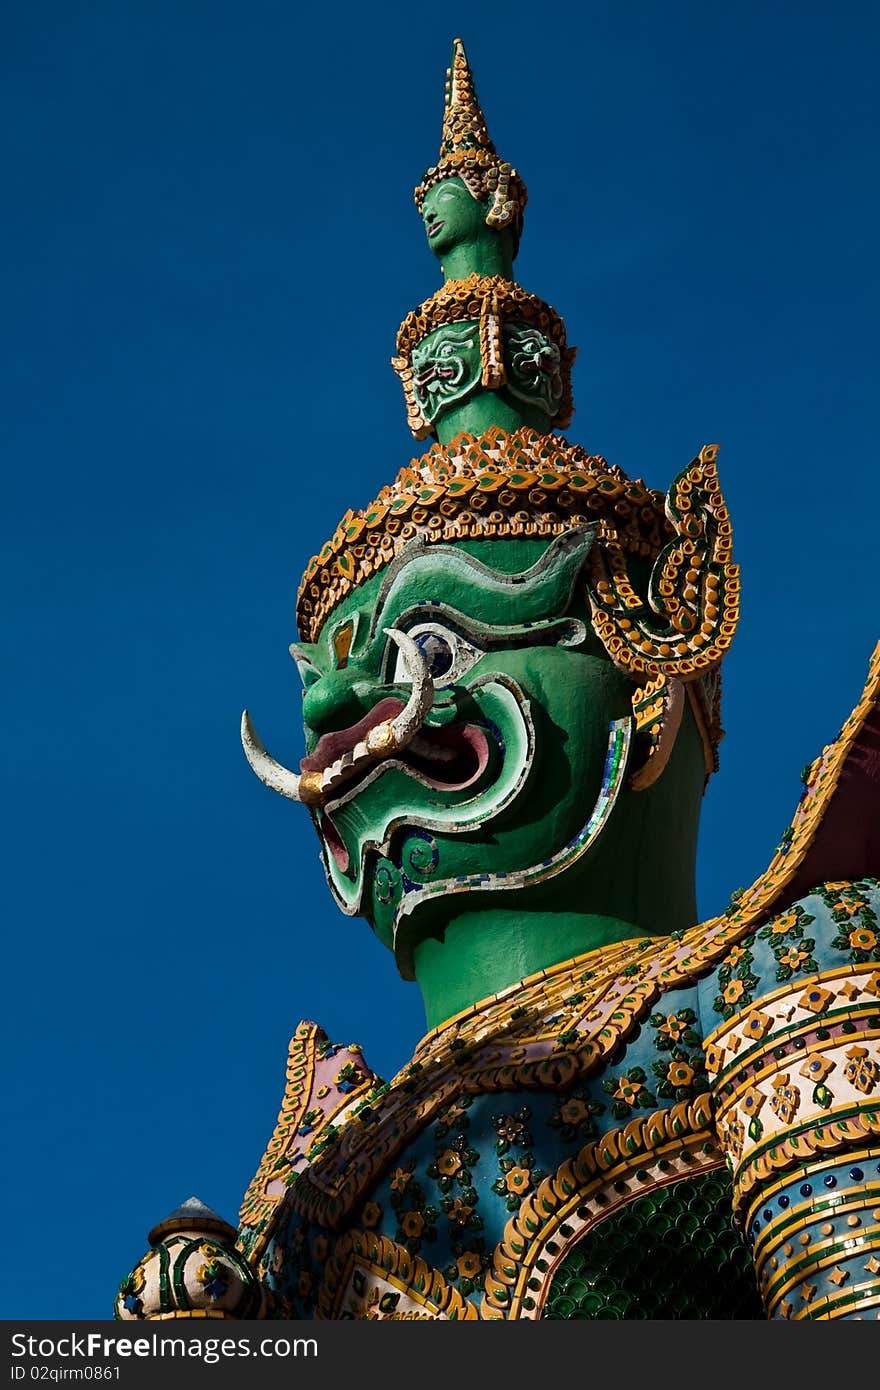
673 1253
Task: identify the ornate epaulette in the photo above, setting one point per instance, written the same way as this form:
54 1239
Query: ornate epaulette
324 1081
542 1033
795 1068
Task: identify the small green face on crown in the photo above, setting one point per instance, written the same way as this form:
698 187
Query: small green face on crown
453 217
534 366
511 757
447 367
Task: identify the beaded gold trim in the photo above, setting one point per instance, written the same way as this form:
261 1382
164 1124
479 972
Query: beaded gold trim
489 301
547 1217
834 1133
657 710
793 1220
386 1266
520 484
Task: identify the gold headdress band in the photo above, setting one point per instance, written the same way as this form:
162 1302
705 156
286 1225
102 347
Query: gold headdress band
522 484
531 484
466 152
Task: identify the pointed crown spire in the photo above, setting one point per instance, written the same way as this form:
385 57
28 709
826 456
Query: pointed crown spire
464 125
467 152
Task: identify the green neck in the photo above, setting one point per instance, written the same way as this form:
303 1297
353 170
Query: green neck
459 236
488 253
484 952
484 409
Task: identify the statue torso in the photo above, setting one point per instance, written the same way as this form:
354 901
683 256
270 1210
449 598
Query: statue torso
567 1148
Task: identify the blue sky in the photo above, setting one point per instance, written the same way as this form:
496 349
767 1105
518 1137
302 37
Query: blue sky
209 242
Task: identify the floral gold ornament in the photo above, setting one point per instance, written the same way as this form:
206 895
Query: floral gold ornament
752 1101
785 1100
757 1024
816 1068
816 999
861 1070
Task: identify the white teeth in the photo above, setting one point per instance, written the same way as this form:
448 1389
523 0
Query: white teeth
391 735
355 758
350 761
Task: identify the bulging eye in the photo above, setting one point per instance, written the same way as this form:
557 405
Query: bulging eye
439 650
447 656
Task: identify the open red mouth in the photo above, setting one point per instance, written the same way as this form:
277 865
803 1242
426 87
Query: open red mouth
450 758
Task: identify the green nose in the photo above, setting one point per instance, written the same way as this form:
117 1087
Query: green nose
338 700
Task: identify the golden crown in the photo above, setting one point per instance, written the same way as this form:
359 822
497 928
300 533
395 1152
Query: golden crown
467 152
531 484
521 484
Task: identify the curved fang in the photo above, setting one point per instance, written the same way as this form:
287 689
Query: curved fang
313 788
273 775
394 734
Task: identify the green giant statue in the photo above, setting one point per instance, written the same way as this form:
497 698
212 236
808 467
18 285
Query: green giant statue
510 663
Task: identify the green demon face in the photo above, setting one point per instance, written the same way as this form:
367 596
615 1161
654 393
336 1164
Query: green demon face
452 216
515 729
447 367
533 366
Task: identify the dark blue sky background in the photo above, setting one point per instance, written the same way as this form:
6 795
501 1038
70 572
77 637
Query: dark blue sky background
209 242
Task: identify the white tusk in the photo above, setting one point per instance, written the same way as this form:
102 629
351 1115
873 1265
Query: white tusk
305 788
394 734
412 717
382 741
